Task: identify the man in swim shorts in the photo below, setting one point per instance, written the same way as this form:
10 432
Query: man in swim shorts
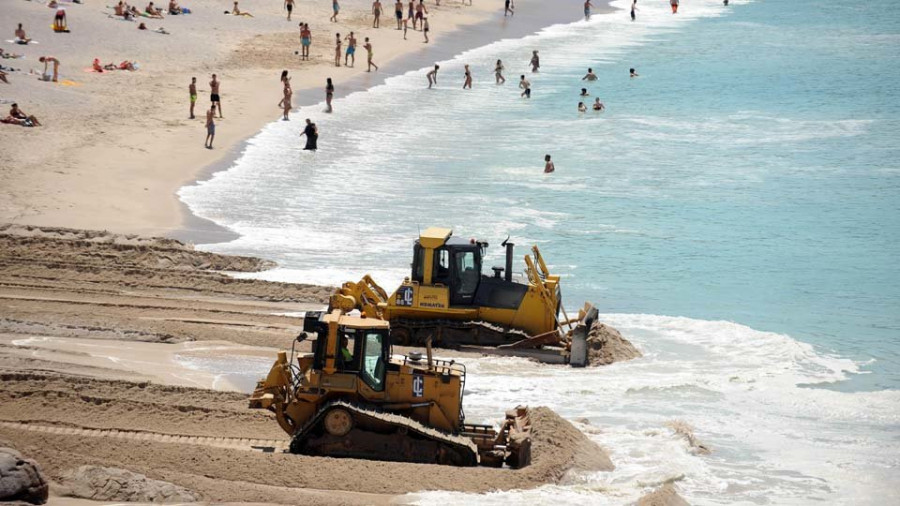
526 86
192 90
289 5
351 49
214 94
305 41
398 13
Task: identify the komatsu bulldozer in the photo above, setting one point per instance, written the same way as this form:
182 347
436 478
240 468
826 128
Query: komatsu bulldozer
448 298
351 397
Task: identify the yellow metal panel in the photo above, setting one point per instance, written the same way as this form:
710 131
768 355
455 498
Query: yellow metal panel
339 382
354 322
432 297
434 237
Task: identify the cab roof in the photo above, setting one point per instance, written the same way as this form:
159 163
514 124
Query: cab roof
434 237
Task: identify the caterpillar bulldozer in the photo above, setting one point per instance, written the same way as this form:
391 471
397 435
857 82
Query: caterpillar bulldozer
351 397
448 297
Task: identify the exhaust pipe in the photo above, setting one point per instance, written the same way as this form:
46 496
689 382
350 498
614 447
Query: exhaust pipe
509 260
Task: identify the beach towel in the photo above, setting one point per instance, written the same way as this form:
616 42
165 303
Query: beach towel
21 43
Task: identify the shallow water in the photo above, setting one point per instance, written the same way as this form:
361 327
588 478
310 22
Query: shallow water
748 175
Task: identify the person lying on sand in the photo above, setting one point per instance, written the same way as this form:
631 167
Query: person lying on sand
153 12
97 67
3 77
46 61
237 12
21 38
6 56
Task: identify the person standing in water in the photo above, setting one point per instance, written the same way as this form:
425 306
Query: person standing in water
468 82
214 94
432 76
598 105
351 50
312 136
370 54
634 8
587 10
582 107
548 165
210 127
525 86
674 4
329 94
535 61
192 91
590 76
498 73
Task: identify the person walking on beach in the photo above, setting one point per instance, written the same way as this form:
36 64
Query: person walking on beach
468 81
210 127
336 8
587 10
192 91
535 61
398 13
590 76
525 86
509 8
46 60
305 41
337 50
498 73
405 27
633 8
370 53
351 50
289 5
312 136
548 165
432 76
411 13
214 94
421 11
674 4
329 94
376 11
425 28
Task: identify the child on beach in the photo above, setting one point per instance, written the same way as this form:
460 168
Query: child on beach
432 76
370 53
548 165
425 28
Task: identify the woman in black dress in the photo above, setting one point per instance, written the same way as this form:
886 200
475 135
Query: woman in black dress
312 135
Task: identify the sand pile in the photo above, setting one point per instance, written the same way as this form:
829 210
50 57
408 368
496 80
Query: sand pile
111 484
606 345
663 496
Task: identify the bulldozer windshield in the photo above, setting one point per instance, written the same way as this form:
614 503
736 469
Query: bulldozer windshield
374 358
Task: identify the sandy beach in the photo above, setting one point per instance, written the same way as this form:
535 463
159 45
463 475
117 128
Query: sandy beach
116 146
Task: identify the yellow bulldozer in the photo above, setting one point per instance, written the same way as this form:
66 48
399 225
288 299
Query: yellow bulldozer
448 298
351 397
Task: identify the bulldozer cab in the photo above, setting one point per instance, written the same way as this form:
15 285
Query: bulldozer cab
359 347
456 264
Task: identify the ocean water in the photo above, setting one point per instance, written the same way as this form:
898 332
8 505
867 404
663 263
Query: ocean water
735 212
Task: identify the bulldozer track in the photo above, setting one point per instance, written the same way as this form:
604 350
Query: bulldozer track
269 445
409 425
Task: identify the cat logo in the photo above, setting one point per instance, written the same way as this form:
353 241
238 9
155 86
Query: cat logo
405 296
418 385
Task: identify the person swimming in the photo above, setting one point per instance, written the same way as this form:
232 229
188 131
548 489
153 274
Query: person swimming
584 92
632 73
590 76
598 105
582 107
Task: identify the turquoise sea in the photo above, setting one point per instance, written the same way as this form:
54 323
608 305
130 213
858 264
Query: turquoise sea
735 211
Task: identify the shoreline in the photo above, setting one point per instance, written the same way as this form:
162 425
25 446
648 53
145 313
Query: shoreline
198 230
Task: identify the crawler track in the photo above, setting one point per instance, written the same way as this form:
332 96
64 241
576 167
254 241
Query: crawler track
269 445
